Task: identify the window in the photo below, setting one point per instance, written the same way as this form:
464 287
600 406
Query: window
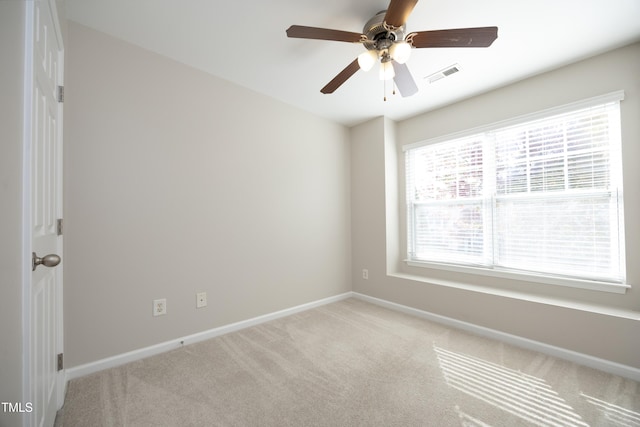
536 196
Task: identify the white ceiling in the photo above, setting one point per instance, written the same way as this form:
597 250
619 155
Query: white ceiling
245 42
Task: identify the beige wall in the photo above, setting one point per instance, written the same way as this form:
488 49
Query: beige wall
177 182
595 323
12 17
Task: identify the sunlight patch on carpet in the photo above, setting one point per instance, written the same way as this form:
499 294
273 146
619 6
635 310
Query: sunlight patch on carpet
525 396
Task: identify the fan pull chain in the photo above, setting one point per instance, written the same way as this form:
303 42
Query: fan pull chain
384 90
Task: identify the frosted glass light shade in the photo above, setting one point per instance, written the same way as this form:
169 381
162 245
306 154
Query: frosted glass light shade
400 52
386 71
367 59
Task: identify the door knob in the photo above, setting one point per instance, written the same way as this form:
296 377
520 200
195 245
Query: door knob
50 260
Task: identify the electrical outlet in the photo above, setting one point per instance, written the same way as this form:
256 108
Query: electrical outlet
201 299
159 307
365 274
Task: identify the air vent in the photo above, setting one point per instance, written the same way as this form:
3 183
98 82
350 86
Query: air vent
432 78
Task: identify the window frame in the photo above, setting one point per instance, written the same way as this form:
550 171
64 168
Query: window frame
494 271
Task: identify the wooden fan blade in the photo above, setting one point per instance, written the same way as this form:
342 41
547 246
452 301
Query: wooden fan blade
302 32
398 12
404 80
342 77
460 37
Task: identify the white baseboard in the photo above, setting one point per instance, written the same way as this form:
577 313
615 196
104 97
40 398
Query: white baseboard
561 353
131 356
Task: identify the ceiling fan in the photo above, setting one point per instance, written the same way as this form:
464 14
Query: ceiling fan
384 38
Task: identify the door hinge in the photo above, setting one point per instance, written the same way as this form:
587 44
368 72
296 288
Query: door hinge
60 362
59 227
60 93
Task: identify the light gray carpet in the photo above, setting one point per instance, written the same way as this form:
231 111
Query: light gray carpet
351 363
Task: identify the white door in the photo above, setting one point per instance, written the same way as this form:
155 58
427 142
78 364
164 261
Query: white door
43 143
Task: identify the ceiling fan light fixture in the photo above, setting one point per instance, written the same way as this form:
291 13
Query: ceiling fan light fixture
386 39
386 70
367 59
400 52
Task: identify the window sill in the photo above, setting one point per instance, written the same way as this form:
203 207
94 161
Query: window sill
588 307
618 288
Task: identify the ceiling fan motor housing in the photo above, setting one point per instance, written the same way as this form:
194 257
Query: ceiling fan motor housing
379 37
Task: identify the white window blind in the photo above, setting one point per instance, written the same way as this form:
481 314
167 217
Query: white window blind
542 196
